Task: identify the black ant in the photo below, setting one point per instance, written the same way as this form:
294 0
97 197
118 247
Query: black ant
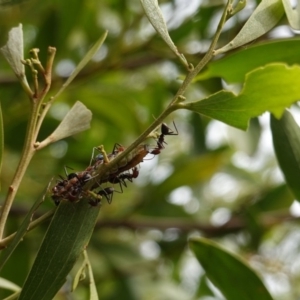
125 176
165 130
108 193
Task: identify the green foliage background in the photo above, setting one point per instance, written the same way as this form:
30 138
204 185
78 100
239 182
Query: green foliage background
227 188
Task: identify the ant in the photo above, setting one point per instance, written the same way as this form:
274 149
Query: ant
71 187
123 176
108 193
165 130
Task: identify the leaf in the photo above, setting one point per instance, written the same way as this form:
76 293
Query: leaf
292 14
13 53
76 120
229 273
286 141
277 198
13 50
271 88
93 289
157 20
265 17
8 285
67 236
234 67
83 62
80 273
193 171
22 230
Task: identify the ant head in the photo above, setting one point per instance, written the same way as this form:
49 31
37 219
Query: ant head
166 130
72 175
99 157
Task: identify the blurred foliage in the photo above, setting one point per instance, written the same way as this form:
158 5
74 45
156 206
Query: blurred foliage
211 180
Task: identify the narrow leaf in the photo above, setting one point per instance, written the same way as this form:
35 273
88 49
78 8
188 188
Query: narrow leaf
93 288
67 236
76 120
235 66
265 17
157 20
83 62
8 285
22 230
272 88
286 141
229 273
293 14
80 273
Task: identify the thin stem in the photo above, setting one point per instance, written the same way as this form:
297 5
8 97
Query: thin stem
5 242
207 57
27 154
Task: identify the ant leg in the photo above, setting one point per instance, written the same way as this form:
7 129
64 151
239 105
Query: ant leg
103 152
116 147
95 199
107 193
97 157
66 172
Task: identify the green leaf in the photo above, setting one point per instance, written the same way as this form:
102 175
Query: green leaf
22 230
272 88
192 172
229 273
277 198
265 17
286 141
83 62
157 20
67 236
76 120
292 14
93 288
235 66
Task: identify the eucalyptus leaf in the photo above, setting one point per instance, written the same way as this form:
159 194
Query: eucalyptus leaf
157 20
264 18
76 120
293 14
271 88
228 272
286 141
67 236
